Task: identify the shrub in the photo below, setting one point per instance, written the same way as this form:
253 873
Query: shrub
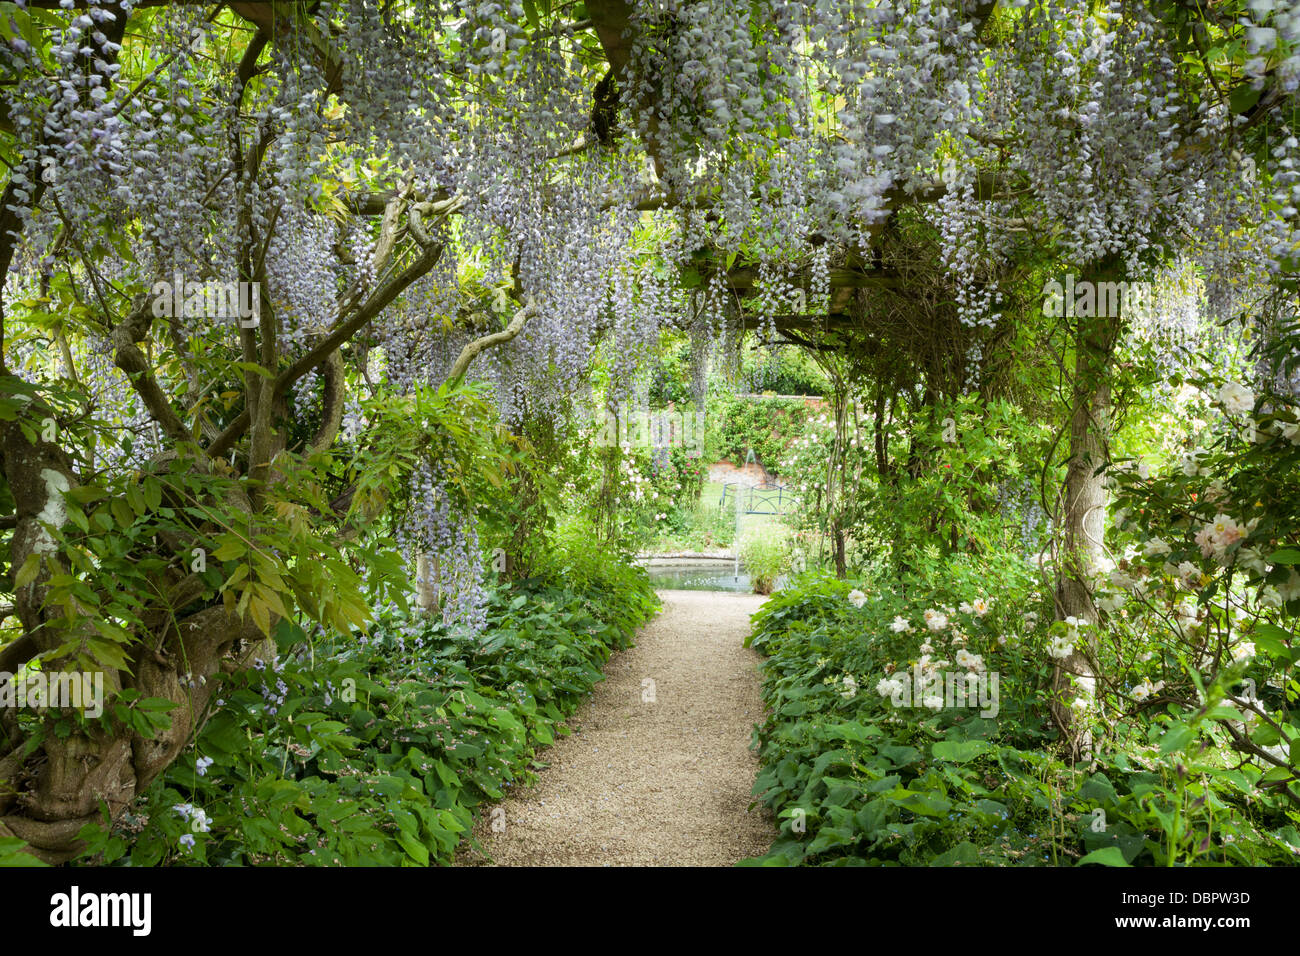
765 552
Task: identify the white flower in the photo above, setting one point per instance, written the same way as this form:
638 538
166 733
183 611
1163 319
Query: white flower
1185 613
1060 648
1191 463
1155 546
981 606
1236 399
857 598
966 608
900 625
889 687
1243 651
1143 690
1123 580
1110 603
1270 597
850 687
1252 559
1281 751
935 620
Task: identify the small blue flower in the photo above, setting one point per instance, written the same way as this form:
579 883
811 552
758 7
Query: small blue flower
202 765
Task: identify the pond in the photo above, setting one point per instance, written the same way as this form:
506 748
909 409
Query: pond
696 574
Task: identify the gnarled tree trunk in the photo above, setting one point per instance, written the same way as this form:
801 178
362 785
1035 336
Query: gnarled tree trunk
1084 506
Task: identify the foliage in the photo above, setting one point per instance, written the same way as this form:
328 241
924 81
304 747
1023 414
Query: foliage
765 553
377 749
767 425
858 781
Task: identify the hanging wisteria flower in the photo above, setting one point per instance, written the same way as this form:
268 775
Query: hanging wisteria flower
187 840
202 765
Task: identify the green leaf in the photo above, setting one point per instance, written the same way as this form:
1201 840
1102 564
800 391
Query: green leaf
1243 98
254 368
857 733
121 513
1271 638
964 852
152 493
959 751
27 573
1106 856
1176 738
414 848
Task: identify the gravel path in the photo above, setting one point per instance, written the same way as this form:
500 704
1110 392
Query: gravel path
655 773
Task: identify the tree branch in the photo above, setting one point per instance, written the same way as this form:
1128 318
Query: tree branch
472 350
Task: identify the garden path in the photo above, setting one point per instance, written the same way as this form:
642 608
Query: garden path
658 770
